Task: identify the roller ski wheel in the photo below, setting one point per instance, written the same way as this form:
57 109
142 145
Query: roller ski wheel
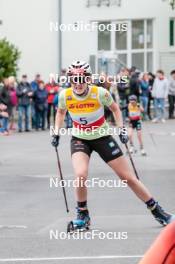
70 227
82 222
77 225
161 215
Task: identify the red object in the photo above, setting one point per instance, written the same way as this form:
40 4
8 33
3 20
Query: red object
13 97
52 89
135 118
93 125
162 250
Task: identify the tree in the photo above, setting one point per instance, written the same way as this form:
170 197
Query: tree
9 56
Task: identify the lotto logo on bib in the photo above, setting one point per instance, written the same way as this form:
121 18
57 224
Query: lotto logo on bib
81 106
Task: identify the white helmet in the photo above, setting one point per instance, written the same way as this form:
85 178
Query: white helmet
80 68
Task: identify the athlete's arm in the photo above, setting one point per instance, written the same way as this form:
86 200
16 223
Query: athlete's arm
141 109
107 100
117 114
59 119
123 135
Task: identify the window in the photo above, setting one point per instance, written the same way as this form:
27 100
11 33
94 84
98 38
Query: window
104 37
121 40
123 59
137 34
138 61
142 44
150 62
134 47
171 31
149 37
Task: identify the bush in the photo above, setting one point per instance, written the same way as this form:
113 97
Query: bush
9 56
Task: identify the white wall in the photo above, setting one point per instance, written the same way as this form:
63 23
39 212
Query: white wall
81 45
26 24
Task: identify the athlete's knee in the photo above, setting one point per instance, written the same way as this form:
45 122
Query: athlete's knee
81 175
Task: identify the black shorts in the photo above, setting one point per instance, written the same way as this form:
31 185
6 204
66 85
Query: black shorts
106 147
135 124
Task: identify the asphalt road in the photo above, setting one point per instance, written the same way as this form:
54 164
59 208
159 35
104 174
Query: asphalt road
32 214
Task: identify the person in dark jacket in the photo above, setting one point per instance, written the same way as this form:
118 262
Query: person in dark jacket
151 77
3 120
34 85
134 84
6 102
123 88
52 89
144 96
40 103
171 94
24 94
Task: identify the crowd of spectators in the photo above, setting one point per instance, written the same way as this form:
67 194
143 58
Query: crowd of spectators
26 105
154 92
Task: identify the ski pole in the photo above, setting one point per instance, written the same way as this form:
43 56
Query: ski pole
61 177
132 162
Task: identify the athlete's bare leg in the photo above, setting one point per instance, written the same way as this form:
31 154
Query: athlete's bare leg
139 135
125 172
80 163
130 134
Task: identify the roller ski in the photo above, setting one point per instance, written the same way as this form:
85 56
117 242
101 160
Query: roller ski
143 152
81 223
132 150
160 215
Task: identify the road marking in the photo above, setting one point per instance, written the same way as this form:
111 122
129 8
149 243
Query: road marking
46 176
70 258
13 226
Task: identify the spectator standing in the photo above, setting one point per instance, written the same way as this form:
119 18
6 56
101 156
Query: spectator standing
150 98
134 83
34 85
6 105
106 82
171 94
52 88
160 93
13 100
123 88
64 84
63 80
24 94
144 94
40 103
3 119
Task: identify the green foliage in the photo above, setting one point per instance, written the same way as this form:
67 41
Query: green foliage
9 56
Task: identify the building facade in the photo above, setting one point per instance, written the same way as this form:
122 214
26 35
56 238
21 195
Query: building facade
25 23
147 44
33 26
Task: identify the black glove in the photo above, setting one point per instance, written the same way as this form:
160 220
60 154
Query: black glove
123 135
55 141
